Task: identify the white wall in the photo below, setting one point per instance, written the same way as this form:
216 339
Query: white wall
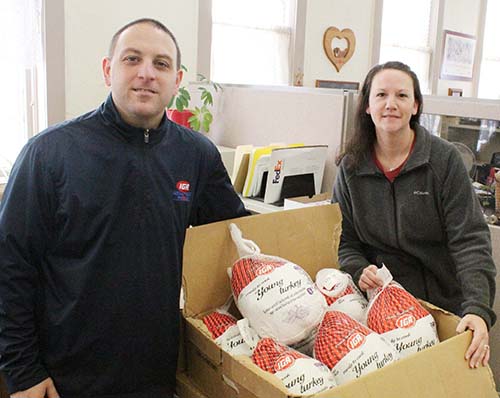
89 26
264 115
459 16
356 15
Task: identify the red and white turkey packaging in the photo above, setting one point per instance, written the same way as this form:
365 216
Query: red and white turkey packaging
398 316
349 348
226 333
301 375
278 297
341 293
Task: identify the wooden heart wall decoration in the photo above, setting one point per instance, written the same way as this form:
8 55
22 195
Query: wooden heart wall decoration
332 40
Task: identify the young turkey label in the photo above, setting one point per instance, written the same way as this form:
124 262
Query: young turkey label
226 333
300 374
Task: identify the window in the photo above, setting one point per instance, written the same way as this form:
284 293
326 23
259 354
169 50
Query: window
489 79
252 41
22 69
408 39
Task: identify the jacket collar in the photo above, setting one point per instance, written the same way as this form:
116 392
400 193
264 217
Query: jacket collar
131 134
419 156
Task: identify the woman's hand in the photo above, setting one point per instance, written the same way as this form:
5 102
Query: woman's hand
369 279
479 349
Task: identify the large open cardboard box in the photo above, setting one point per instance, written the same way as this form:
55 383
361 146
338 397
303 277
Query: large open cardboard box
309 237
186 388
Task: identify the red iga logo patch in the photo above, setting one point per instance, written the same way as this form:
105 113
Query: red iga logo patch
406 321
183 186
264 269
182 192
284 362
355 341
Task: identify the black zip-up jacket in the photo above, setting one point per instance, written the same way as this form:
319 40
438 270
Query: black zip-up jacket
92 226
426 227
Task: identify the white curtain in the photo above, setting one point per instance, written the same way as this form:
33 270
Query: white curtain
489 79
21 67
251 41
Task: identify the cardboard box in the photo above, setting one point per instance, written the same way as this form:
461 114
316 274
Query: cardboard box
186 388
309 237
208 375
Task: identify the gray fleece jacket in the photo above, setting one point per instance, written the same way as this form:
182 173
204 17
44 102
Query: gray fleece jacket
426 227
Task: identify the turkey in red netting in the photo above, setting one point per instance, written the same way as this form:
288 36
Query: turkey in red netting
398 316
226 333
300 374
341 293
278 297
349 348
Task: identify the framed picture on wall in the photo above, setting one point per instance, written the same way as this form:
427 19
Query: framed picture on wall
458 56
337 84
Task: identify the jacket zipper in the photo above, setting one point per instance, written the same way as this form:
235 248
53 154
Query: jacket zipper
146 136
395 213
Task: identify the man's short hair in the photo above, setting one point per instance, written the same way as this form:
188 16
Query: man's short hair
152 22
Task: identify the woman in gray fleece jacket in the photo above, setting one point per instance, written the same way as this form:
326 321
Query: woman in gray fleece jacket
407 202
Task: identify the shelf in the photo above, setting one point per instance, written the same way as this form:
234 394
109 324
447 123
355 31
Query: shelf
471 127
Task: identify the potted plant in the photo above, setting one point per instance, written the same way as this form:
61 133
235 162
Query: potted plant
198 118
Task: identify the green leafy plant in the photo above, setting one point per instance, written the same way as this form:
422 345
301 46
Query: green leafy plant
202 117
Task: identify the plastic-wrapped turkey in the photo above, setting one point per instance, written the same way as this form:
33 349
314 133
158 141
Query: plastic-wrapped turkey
341 293
398 316
226 333
301 375
278 297
349 348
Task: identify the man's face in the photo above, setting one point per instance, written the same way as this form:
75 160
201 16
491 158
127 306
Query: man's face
142 74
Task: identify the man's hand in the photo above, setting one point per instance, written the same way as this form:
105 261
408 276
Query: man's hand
479 349
45 389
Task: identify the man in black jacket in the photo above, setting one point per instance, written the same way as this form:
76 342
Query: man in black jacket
92 226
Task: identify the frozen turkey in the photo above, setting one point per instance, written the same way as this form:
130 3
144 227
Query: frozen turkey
278 297
341 293
349 348
301 375
225 332
398 316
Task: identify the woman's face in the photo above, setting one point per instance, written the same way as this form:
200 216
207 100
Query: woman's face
391 103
